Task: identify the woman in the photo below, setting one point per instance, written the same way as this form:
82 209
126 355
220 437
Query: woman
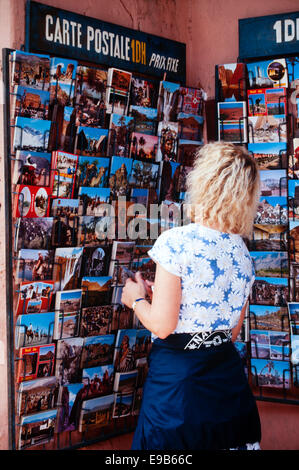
196 395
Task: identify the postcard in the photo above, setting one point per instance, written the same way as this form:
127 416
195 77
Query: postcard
96 261
191 100
95 231
91 112
96 290
67 367
93 172
67 313
293 313
293 166
122 315
67 268
96 413
143 146
91 85
270 291
69 405
120 173
62 207
145 119
31 134
32 168
273 183
268 74
120 129
34 265
34 329
143 343
98 381
33 233
167 101
31 70
96 321
294 239
269 238
63 80
65 164
231 82
267 129
144 92
269 101
36 362
63 136
232 111
139 196
37 429
31 201
271 373
123 252
168 141
124 359
35 297
65 231
269 155
123 405
294 280
118 90
125 382
293 199
270 264
91 141
37 395
97 351
144 174
295 354
190 126
169 177
270 344
272 210
187 150
232 131
30 103
268 317
93 201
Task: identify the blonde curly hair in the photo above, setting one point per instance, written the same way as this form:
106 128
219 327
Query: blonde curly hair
223 188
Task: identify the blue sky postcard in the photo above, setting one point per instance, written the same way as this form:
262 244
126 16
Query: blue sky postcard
269 155
268 317
31 134
271 373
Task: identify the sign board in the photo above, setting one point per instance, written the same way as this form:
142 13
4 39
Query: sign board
274 35
53 31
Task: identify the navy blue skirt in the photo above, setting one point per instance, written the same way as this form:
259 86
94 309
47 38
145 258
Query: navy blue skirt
195 400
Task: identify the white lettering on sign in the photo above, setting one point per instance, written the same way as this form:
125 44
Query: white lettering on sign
162 62
286 30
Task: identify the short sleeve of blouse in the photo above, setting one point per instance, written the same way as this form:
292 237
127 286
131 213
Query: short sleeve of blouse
166 252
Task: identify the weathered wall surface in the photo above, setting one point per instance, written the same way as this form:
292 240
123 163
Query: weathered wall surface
210 30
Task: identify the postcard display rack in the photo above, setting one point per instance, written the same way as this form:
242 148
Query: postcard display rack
79 136
257 107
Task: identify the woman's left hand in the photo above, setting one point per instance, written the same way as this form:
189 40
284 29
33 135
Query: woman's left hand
133 290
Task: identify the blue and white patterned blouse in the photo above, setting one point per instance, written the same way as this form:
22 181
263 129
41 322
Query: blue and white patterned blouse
216 272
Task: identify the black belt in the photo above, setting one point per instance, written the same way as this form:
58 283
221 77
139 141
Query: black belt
192 341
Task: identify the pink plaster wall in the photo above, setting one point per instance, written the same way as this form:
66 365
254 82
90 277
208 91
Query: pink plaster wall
210 30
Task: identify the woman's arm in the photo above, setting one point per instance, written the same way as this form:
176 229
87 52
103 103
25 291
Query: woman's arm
161 316
237 328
